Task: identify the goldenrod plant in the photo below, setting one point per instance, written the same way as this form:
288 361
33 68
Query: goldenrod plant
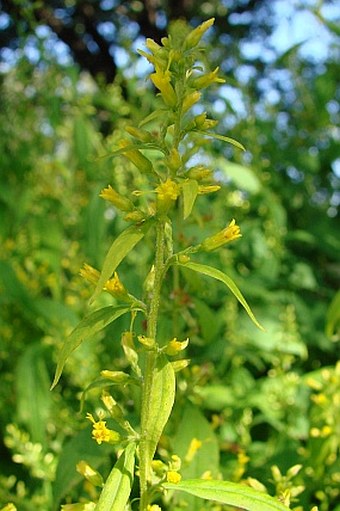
160 149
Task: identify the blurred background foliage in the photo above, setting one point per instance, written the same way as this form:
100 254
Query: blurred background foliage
70 82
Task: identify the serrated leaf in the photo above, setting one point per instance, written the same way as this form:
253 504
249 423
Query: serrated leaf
232 494
117 488
121 246
222 277
190 191
88 327
156 412
229 140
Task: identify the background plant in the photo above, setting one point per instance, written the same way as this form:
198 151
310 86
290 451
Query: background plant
246 360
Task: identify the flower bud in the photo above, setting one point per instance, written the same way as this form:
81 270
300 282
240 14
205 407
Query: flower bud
190 100
183 258
174 346
174 161
194 37
130 351
116 288
89 273
200 82
140 134
152 45
161 80
200 173
148 342
229 233
137 158
202 190
135 216
89 473
115 376
119 201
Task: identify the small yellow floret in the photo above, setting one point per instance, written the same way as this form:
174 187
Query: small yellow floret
173 477
100 433
167 194
229 233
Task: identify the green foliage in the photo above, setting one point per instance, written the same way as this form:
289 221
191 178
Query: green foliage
255 400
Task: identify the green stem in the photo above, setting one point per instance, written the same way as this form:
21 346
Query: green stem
151 357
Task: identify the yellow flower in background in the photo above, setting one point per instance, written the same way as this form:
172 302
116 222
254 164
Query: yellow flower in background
230 233
154 507
195 444
100 432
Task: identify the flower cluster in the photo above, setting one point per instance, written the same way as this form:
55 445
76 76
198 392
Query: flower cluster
101 433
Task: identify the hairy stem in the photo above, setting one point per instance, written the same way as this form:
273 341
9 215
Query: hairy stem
151 356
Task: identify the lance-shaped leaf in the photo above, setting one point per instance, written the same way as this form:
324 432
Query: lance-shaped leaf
156 410
222 277
118 251
117 488
88 326
232 494
189 191
229 140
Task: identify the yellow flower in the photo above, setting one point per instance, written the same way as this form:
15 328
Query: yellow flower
173 477
154 507
115 287
229 233
100 433
174 346
167 194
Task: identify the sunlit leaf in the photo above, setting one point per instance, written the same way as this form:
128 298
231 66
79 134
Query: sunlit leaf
222 277
88 327
121 246
229 140
189 191
118 485
232 494
157 409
